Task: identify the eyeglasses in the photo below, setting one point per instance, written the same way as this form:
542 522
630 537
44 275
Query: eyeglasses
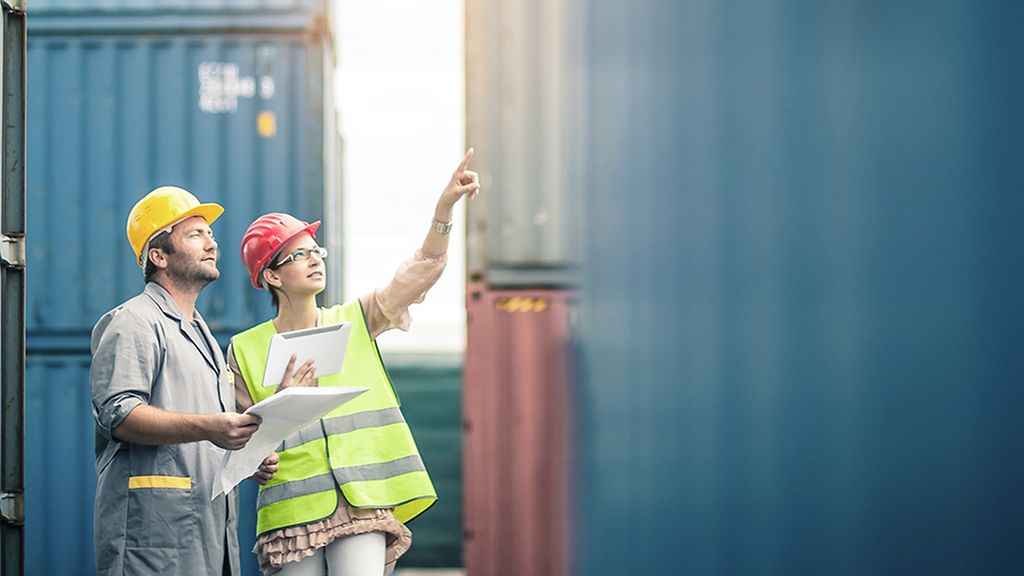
300 255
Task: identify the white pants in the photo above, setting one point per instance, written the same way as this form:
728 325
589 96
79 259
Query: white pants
359 555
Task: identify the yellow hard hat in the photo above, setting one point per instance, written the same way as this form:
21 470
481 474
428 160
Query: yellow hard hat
160 209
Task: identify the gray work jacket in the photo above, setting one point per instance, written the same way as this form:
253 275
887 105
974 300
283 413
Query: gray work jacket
153 510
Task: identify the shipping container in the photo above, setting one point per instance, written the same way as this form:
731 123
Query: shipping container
236 107
237 119
517 420
801 345
12 287
521 86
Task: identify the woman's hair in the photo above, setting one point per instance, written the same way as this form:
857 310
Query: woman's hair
161 241
274 299
273 296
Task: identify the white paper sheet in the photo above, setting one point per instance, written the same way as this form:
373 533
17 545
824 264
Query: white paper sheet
283 414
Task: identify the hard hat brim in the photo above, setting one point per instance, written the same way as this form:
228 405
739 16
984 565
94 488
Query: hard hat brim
209 211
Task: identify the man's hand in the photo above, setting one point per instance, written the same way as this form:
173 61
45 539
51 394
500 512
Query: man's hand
231 431
267 469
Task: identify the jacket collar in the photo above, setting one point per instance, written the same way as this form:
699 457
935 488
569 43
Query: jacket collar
159 295
162 298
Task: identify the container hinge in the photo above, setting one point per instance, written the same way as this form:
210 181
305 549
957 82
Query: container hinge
12 504
15 5
12 251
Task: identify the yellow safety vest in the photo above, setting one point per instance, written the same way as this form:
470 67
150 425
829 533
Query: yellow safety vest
363 447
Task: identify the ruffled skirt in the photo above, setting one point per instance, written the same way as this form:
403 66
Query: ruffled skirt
295 543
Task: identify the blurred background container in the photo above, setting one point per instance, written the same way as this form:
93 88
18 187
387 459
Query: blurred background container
516 423
522 118
523 250
801 334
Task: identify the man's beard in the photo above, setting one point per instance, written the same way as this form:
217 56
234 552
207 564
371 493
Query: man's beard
191 274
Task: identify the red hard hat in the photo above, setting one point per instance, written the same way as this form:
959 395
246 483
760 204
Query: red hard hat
264 238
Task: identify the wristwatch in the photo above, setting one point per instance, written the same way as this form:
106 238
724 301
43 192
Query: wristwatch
441 227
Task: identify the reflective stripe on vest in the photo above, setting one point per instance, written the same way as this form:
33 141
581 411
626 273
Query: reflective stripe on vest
343 424
364 447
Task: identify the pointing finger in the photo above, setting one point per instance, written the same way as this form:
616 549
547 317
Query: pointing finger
465 161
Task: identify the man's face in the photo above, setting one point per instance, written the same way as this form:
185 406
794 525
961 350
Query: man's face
194 260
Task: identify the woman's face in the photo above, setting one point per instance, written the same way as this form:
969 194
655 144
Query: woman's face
303 273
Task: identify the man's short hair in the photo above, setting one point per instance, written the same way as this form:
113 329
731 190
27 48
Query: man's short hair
162 241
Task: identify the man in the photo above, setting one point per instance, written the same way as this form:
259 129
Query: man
164 405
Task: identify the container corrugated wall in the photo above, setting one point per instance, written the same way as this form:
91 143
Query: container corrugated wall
430 389
520 82
118 116
516 445
235 107
802 346
60 465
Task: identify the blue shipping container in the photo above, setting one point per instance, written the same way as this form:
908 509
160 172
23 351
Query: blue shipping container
802 342
122 103
236 119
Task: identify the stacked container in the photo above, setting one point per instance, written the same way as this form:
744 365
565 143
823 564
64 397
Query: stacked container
229 100
523 256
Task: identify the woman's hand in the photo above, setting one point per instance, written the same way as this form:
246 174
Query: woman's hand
301 377
463 182
267 469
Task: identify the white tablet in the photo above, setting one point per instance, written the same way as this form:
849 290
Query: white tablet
326 344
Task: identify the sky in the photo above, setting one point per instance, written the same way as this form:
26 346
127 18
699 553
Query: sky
399 88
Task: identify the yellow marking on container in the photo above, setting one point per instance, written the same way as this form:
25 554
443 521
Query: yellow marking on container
266 124
522 305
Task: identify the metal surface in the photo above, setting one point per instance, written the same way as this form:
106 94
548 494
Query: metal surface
520 83
516 444
12 507
12 293
12 251
801 339
114 7
60 474
115 116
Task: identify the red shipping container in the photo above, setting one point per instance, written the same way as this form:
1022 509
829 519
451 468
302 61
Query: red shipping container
517 420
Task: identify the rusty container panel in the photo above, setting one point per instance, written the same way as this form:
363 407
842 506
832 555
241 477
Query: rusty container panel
517 421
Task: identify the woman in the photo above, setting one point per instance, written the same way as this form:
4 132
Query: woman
345 486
